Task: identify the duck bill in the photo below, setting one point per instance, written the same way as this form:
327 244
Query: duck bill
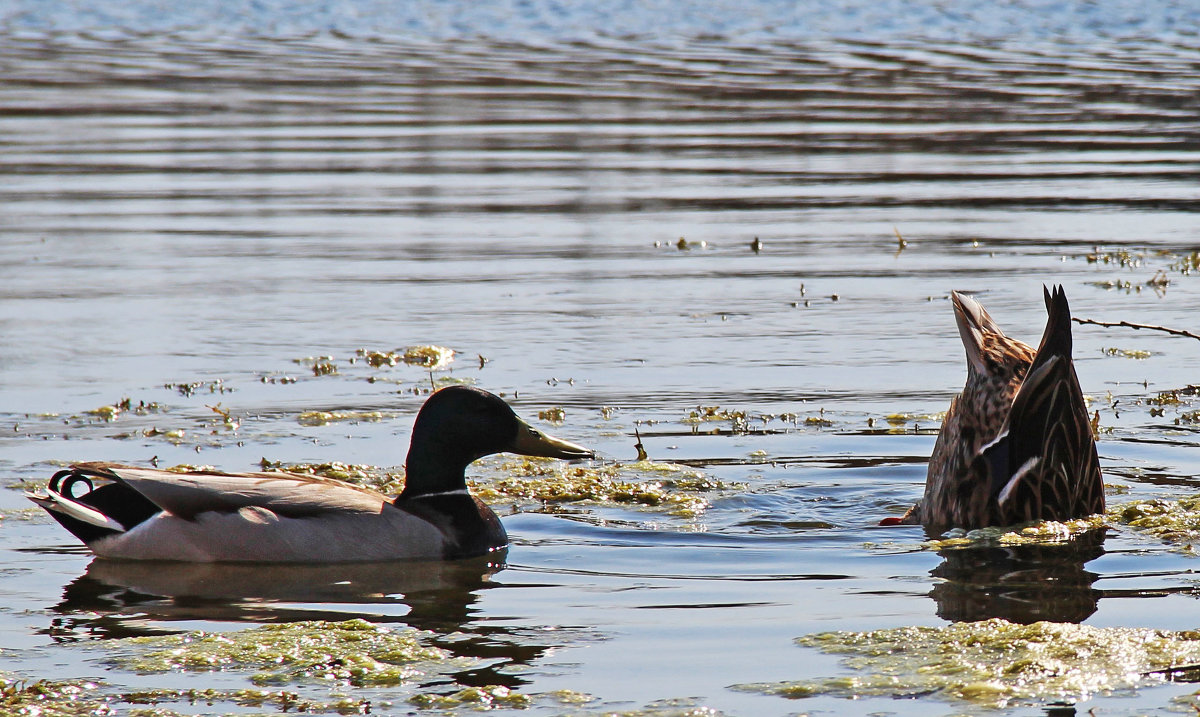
532 442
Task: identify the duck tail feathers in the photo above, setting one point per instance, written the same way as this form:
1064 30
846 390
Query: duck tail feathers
58 504
1045 457
1056 339
973 320
90 515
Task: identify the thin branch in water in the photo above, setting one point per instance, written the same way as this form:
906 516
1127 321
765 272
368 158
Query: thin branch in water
1131 325
1169 672
642 455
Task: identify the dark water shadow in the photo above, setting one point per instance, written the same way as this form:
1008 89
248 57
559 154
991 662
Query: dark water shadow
1043 581
117 599
1019 583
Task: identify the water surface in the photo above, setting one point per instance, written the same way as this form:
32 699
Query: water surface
185 221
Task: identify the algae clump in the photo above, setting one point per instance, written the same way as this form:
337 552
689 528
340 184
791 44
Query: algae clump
1045 531
322 418
1176 522
479 697
354 651
677 489
994 662
50 699
434 358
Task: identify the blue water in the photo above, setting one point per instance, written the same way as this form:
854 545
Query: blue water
207 194
568 20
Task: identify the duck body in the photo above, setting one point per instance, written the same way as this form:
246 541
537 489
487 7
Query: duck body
134 513
1016 444
277 517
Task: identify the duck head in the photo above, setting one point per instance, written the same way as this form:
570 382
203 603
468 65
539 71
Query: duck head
460 424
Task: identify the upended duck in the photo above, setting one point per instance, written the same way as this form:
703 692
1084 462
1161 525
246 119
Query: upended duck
128 512
1016 445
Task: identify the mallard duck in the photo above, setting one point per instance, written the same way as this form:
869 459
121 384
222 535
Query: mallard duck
1016 445
202 516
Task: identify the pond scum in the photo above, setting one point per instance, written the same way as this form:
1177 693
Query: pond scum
678 490
993 663
46 698
990 664
1175 522
350 654
342 656
356 652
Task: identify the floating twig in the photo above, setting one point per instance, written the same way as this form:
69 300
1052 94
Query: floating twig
1169 672
1131 325
642 455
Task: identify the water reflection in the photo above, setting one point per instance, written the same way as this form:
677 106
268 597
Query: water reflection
117 599
1019 583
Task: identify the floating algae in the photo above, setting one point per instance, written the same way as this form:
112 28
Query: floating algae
77 699
992 663
174 435
1139 354
1175 397
903 419
45 698
1046 531
354 651
324 368
677 489
704 414
555 415
1176 522
320 365
379 359
281 701
1119 257
190 388
227 418
322 418
739 420
434 358
489 697
110 412
1173 521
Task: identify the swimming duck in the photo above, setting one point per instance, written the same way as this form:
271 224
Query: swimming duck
1016 445
203 516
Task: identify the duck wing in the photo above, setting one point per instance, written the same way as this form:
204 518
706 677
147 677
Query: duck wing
187 495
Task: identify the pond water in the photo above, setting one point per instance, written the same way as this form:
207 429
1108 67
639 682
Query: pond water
190 220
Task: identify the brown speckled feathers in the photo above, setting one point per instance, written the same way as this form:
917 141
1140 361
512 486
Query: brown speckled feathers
1016 445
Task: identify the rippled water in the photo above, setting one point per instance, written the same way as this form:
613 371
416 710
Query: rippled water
182 219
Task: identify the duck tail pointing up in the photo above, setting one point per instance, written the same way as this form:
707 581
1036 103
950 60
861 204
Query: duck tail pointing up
1056 340
973 320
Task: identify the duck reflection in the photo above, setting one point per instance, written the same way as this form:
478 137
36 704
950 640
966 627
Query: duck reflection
1019 583
116 599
